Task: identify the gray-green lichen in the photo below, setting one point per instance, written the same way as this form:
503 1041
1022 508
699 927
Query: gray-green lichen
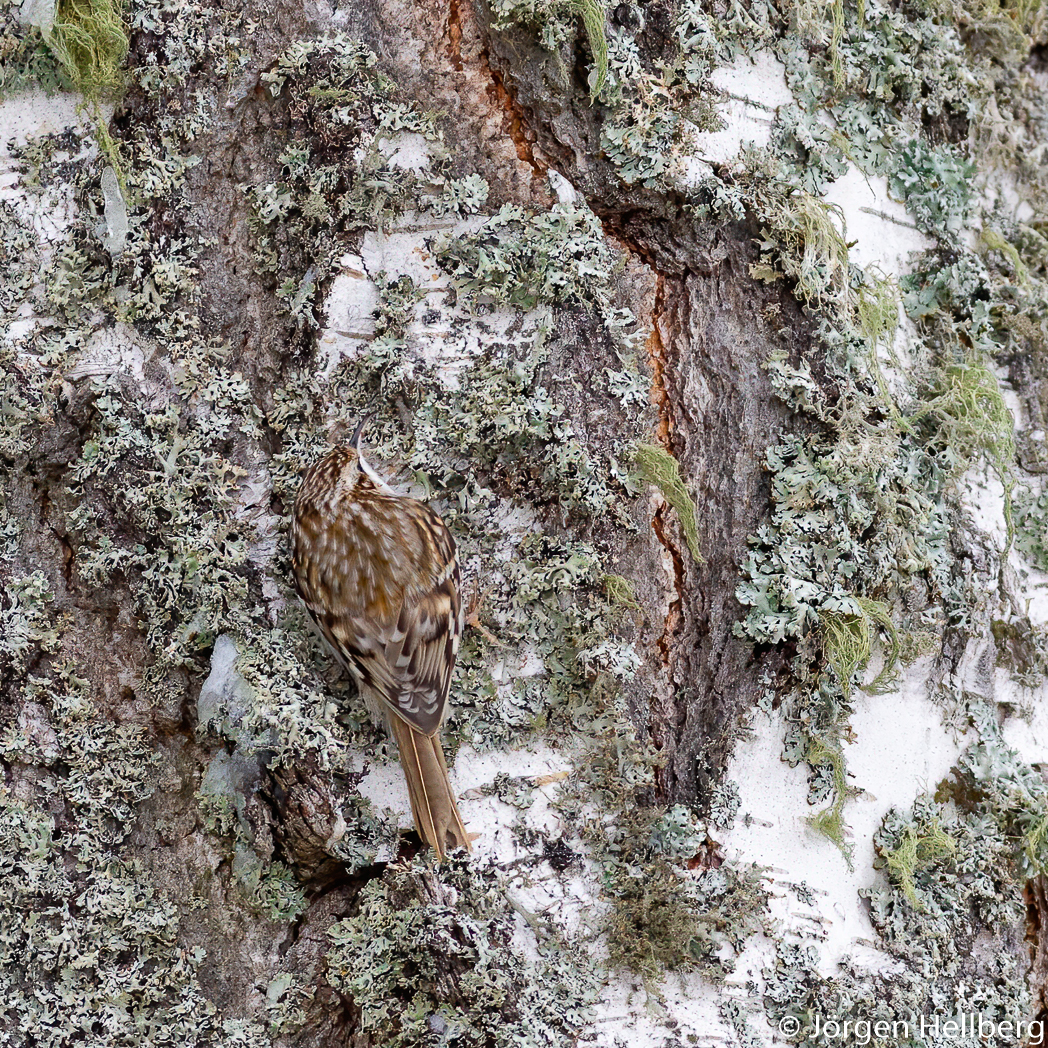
951 912
431 959
95 950
167 487
862 505
865 553
182 468
25 58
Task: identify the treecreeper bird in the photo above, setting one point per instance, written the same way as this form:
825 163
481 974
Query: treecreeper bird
378 574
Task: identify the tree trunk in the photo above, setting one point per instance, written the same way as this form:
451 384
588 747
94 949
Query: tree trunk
750 688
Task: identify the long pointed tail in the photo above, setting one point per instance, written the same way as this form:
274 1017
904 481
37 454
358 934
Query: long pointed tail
433 804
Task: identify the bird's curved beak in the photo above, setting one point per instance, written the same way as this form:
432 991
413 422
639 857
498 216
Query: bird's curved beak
354 441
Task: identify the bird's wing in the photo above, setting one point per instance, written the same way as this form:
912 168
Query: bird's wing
420 653
406 656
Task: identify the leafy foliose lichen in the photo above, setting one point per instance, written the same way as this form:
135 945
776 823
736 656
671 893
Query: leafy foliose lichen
156 524
548 257
950 911
431 958
1032 529
900 396
25 58
554 21
863 504
338 176
98 948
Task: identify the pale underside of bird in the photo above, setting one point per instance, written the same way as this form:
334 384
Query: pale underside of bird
378 574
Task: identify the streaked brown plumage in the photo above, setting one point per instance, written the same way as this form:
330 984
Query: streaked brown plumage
378 574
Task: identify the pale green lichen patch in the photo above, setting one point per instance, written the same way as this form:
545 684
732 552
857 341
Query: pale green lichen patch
866 552
171 488
883 461
620 591
157 513
25 59
181 477
573 639
673 902
97 948
432 959
1032 530
951 912
338 175
524 260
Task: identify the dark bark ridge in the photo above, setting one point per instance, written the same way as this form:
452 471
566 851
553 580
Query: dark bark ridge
212 838
716 327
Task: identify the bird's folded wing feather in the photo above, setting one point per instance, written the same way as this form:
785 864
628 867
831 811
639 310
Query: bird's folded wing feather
409 665
420 654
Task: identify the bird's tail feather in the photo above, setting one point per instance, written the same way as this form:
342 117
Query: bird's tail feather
433 804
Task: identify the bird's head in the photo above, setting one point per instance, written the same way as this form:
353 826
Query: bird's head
343 473
363 467
355 473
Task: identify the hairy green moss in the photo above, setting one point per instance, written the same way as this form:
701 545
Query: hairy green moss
966 400
805 237
847 642
657 466
89 39
825 756
620 591
919 847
